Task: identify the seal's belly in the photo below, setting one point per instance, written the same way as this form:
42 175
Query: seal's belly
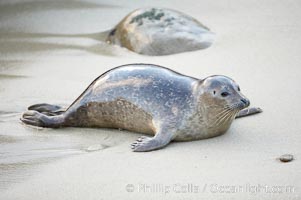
118 114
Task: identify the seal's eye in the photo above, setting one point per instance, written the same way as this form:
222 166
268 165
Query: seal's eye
224 94
214 92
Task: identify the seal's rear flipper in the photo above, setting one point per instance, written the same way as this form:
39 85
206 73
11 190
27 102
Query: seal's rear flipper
247 112
47 109
35 118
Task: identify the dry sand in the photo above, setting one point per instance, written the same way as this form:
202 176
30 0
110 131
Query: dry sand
51 50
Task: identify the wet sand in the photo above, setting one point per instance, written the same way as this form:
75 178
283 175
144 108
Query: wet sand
50 51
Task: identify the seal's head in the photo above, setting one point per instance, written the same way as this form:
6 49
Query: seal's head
224 91
222 100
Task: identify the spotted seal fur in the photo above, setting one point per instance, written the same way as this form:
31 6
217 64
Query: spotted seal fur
153 100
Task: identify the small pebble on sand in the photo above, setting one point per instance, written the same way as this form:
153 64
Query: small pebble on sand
286 158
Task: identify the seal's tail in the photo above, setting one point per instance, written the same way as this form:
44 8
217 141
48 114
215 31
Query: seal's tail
47 109
36 118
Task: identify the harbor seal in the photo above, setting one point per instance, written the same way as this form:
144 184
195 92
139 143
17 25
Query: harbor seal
158 31
153 100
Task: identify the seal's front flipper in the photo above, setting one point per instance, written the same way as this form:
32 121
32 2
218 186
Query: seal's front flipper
47 109
248 111
35 118
159 141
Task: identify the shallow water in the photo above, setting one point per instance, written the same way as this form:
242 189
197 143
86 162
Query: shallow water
23 149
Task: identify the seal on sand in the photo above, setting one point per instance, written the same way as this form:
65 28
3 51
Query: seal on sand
158 31
153 100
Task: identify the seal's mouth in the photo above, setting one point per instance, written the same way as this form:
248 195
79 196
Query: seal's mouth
243 103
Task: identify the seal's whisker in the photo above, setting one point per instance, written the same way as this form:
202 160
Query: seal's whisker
227 117
218 116
231 116
224 119
220 113
219 119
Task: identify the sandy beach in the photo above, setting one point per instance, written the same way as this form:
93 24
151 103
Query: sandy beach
50 51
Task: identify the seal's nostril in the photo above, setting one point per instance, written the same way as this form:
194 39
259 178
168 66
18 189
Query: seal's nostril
245 101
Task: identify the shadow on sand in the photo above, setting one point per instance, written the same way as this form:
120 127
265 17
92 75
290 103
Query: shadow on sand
18 42
11 8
